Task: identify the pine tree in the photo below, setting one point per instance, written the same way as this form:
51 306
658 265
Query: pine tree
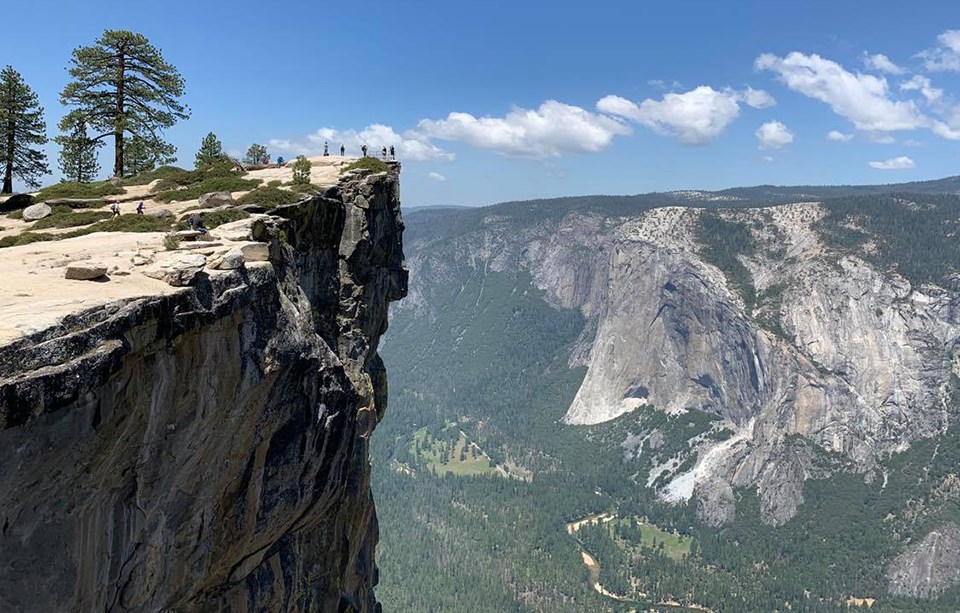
123 86
142 155
21 125
211 151
255 154
301 171
78 152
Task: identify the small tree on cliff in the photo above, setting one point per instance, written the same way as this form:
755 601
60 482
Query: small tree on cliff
78 152
22 129
124 87
211 151
255 154
301 171
143 155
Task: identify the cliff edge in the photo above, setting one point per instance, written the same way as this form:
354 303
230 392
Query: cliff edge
205 447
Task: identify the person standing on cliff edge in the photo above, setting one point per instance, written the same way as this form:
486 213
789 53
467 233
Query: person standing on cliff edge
343 150
364 149
393 153
326 149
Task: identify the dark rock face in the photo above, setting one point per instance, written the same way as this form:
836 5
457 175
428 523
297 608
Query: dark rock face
207 450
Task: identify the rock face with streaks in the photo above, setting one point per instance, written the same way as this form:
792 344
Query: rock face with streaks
207 449
837 359
930 567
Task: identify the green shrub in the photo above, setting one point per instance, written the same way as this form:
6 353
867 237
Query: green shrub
66 189
26 238
270 196
168 173
217 183
87 204
70 219
306 188
171 242
274 183
18 214
164 185
368 163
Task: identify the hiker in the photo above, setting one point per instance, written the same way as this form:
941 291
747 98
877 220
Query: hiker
115 207
326 151
383 151
343 150
393 153
140 208
266 160
364 149
196 223
279 161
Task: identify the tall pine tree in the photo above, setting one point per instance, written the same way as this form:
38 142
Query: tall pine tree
22 129
124 87
211 151
78 152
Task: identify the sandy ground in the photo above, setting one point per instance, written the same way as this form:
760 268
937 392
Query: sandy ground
36 295
324 170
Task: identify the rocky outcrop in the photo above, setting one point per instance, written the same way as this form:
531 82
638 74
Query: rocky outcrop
928 568
206 449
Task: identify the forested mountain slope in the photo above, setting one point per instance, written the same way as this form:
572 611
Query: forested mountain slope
773 384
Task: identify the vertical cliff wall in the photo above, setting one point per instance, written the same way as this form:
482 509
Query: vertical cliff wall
207 449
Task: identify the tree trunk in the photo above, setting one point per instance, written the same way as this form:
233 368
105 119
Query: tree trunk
118 129
8 171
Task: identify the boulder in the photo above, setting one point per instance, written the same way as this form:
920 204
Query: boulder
230 260
255 252
161 213
116 181
188 235
234 231
215 199
85 271
36 211
179 270
15 202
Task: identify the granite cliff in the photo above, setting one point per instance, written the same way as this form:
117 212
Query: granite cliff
822 342
206 447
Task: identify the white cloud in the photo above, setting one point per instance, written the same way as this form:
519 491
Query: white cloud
694 117
882 63
757 98
946 55
436 176
900 163
862 98
551 130
768 158
409 146
773 135
881 139
923 85
838 136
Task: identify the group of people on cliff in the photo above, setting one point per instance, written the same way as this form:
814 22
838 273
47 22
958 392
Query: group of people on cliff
385 153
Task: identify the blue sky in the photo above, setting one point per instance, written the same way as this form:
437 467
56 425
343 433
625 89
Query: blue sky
497 101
